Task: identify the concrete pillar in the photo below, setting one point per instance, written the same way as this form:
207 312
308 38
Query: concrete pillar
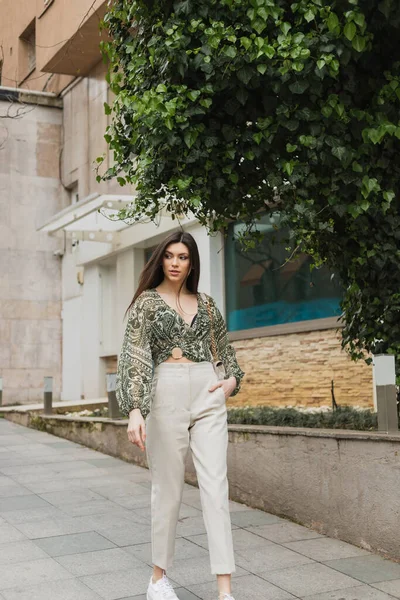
385 379
93 367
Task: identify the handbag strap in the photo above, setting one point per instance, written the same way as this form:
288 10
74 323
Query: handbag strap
213 345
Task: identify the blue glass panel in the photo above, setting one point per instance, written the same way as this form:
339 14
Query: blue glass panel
264 287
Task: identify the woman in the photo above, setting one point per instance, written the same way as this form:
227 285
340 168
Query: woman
167 385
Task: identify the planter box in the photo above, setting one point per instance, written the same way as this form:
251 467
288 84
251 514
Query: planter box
345 484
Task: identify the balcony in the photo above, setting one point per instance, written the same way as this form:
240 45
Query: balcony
69 37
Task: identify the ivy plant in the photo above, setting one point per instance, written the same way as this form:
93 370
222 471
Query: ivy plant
227 108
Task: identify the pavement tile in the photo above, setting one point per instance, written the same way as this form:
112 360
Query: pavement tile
192 526
249 518
73 543
284 532
138 501
70 589
89 507
184 511
122 489
9 533
324 549
368 569
182 593
127 536
245 587
68 496
242 540
262 559
390 587
32 572
15 552
107 461
22 502
54 526
309 579
32 514
99 561
189 571
361 592
5 480
183 549
120 584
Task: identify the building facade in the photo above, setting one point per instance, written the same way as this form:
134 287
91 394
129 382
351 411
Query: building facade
78 269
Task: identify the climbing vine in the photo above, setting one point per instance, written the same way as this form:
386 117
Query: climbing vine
227 108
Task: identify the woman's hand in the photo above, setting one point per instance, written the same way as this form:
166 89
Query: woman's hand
137 428
228 386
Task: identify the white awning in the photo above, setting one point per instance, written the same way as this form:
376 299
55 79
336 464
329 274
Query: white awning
82 221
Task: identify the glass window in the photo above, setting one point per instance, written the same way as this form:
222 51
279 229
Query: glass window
264 288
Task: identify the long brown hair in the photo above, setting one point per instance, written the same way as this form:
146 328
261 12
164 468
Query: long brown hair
152 274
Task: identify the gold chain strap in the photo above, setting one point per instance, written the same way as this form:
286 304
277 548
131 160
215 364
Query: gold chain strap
213 345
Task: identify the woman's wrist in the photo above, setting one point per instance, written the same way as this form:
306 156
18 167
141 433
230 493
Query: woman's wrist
132 412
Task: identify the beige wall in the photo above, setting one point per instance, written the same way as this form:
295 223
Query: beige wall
297 369
30 274
84 125
55 29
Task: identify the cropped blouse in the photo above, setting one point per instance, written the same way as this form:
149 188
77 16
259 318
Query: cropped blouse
153 329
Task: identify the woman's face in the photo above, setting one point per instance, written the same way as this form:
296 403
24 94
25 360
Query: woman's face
176 262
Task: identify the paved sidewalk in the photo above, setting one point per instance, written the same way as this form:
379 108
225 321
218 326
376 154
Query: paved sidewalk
75 525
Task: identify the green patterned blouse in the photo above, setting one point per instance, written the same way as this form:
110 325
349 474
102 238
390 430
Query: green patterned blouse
152 330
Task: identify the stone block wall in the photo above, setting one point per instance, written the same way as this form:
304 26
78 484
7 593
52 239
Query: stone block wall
30 274
297 369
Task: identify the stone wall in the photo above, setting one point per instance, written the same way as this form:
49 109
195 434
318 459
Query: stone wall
30 274
297 369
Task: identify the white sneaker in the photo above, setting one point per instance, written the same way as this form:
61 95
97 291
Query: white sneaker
161 590
226 596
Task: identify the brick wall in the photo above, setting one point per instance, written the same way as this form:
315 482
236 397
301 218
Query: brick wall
297 369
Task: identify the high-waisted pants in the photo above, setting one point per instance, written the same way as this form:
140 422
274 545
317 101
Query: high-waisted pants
183 414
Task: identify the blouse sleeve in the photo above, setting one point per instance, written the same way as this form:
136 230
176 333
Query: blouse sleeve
135 363
226 352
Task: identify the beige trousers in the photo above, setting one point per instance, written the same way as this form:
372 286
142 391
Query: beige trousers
185 414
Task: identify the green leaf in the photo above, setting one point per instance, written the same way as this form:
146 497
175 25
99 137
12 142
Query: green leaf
291 147
230 51
107 108
327 111
161 88
190 137
246 42
389 196
320 63
193 95
245 74
257 137
299 87
242 95
359 43
309 16
332 22
262 68
350 30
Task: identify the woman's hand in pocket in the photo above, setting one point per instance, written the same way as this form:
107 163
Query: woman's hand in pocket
228 385
137 428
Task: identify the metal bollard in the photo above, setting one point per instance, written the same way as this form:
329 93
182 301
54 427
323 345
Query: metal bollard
48 395
386 395
1 391
113 408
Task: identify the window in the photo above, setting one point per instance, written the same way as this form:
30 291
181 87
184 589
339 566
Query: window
263 288
27 51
